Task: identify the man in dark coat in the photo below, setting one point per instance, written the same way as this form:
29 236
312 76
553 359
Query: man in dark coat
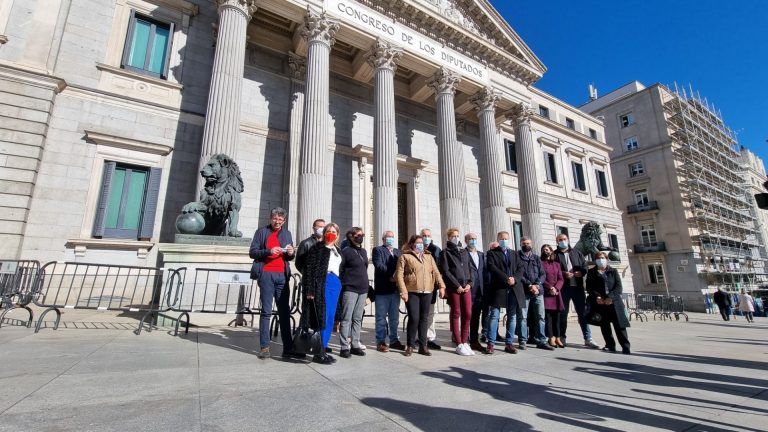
574 268
533 285
271 249
387 297
478 274
307 243
723 301
434 249
504 290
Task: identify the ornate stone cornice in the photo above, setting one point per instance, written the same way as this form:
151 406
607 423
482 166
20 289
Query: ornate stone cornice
246 7
486 99
384 55
298 65
444 81
319 27
521 114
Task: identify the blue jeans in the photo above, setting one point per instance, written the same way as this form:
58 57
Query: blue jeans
387 306
273 286
492 321
332 292
537 304
579 298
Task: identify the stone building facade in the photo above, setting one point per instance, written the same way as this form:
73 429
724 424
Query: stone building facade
393 115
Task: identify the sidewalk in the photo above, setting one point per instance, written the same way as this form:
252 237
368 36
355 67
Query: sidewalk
95 374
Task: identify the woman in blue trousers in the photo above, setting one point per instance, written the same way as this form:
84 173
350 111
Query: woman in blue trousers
322 286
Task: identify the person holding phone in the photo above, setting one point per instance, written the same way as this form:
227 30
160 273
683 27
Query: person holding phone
271 249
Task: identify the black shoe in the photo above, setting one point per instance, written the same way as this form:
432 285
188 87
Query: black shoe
294 355
433 345
357 352
323 359
521 347
607 349
626 351
483 339
545 347
328 350
344 354
397 345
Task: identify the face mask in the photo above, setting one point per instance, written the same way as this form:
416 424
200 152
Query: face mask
472 243
526 248
545 255
330 237
419 247
503 244
427 240
562 244
390 241
601 262
454 240
319 232
358 239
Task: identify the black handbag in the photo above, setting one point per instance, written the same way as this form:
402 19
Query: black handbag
306 340
371 294
594 314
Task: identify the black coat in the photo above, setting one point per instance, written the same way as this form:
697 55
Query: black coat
384 265
722 299
354 278
577 261
500 270
597 286
313 281
454 267
479 274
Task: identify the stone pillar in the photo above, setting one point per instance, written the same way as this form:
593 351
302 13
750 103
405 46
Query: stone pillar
528 182
453 191
383 57
318 30
298 67
494 212
222 116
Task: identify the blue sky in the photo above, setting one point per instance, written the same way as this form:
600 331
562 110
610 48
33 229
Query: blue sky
720 47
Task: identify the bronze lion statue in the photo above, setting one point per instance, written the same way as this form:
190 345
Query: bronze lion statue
220 200
590 242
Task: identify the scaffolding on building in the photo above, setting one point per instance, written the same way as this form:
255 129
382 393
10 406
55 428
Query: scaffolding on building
714 191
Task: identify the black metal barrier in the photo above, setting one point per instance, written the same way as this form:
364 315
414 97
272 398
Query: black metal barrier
661 306
70 285
17 280
223 291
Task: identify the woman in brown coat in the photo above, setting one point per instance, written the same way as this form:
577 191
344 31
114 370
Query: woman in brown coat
416 277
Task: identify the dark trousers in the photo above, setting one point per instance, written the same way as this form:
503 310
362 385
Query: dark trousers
478 312
610 318
273 286
552 323
725 312
418 317
579 298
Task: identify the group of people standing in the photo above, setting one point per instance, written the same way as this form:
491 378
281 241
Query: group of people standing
724 302
476 286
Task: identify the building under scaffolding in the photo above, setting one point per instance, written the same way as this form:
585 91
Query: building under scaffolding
679 169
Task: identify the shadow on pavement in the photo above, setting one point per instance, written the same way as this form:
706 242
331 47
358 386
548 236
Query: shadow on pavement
565 406
430 418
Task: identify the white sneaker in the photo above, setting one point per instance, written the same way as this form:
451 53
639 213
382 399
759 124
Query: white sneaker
469 349
465 350
460 349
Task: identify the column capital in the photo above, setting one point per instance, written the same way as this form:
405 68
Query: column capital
298 65
384 55
444 81
486 99
246 7
521 114
319 27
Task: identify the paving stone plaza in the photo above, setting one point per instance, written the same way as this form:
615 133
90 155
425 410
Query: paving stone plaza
95 374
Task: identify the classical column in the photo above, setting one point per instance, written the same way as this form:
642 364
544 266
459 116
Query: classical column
222 116
528 183
318 30
383 57
494 212
453 192
298 65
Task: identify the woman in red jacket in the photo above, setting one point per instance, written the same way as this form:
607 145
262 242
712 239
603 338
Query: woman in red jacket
553 300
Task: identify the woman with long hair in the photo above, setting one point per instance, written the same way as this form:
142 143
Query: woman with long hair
553 299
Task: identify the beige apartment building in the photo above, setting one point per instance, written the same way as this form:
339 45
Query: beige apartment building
678 174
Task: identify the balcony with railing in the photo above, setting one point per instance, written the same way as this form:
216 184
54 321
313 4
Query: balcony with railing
638 208
651 247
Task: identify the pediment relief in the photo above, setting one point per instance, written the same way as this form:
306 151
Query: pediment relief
471 27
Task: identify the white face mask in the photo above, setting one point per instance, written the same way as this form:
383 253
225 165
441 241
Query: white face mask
601 262
319 232
454 240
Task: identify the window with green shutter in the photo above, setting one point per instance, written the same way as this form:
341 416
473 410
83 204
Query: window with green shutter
148 46
127 203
